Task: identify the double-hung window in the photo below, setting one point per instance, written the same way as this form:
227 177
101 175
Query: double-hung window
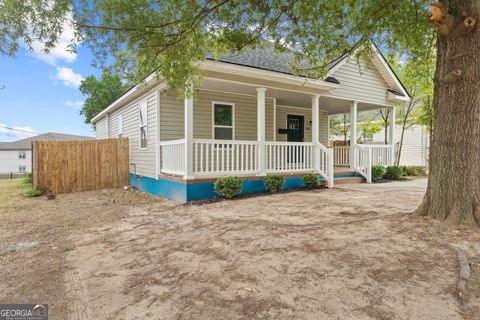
143 124
22 155
22 169
223 121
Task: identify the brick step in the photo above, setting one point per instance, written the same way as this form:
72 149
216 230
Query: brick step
349 180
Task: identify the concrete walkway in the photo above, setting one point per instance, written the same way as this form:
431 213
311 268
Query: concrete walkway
413 184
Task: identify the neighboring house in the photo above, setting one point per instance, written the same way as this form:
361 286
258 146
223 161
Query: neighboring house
249 117
16 156
415 145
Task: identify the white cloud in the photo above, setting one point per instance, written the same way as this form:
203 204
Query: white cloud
77 104
67 76
16 132
61 52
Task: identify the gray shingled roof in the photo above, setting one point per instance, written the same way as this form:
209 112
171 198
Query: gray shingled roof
26 144
264 57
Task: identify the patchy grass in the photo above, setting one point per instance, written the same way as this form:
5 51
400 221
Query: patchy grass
12 193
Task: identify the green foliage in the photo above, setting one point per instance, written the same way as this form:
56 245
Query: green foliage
100 93
27 179
228 187
414 171
377 172
312 181
340 126
274 183
393 173
33 192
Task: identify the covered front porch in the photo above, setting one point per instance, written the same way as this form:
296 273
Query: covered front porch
289 133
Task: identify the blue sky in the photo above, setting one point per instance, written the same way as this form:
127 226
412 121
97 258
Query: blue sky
40 92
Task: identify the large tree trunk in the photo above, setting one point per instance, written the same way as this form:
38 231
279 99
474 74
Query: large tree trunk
453 192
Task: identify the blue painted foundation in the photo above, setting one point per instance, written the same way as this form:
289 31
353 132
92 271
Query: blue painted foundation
184 192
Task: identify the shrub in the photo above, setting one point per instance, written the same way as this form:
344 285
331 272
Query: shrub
228 187
312 181
414 171
273 183
33 192
27 179
393 173
377 172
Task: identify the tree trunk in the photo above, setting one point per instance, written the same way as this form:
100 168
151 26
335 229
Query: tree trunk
400 145
453 192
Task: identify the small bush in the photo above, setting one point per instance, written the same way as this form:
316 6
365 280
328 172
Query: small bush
312 181
33 192
414 171
273 183
393 173
228 187
27 179
377 172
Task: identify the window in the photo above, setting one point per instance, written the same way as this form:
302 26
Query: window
120 125
22 155
223 121
143 124
22 169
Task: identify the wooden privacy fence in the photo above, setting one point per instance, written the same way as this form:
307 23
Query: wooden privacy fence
70 166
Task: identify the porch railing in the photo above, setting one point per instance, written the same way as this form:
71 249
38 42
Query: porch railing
212 158
173 157
363 161
220 157
381 154
288 156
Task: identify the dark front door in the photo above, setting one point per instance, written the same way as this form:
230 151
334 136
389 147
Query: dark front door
295 134
295 128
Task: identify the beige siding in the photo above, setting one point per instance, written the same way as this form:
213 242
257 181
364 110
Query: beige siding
101 129
144 159
171 117
11 162
283 111
360 82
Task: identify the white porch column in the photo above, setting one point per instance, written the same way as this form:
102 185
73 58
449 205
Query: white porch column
353 133
315 130
188 137
391 134
261 130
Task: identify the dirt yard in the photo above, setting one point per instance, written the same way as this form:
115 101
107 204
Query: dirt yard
349 253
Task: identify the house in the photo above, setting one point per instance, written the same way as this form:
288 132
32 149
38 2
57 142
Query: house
415 145
16 156
249 117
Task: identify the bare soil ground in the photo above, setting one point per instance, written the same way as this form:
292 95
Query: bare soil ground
349 253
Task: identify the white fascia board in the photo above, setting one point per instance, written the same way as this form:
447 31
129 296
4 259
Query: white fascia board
379 56
118 103
246 71
394 97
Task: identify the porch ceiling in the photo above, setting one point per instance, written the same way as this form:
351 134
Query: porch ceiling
284 97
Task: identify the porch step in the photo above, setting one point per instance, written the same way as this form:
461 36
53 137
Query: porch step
351 180
347 177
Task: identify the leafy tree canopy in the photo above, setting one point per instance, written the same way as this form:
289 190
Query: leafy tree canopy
173 35
100 93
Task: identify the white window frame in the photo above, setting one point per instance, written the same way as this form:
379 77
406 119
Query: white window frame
22 155
120 125
219 126
145 125
22 167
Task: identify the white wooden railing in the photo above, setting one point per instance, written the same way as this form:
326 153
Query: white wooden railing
173 157
215 158
325 163
341 156
363 161
288 156
221 157
381 154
